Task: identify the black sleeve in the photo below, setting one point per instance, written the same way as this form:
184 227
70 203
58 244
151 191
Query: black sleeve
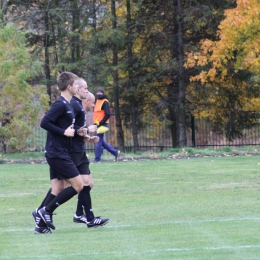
76 111
106 109
48 121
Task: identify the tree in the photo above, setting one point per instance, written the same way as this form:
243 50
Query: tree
111 53
120 132
136 49
20 103
54 30
229 68
130 82
171 29
238 42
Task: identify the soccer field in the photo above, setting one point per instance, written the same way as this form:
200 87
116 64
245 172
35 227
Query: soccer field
201 208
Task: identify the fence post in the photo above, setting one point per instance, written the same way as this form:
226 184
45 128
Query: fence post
193 138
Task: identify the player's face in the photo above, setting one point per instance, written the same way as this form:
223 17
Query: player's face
83 90
74 88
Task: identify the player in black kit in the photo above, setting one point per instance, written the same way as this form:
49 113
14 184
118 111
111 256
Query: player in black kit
81 161
59 123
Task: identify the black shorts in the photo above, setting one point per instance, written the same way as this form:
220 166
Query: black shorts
81 161
62 169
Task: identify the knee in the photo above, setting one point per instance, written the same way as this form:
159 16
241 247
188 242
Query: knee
78 187
85 179
88 180
57 189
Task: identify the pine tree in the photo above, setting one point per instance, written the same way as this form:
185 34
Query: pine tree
171 29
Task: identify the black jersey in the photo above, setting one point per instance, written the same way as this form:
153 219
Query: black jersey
56 121
80 120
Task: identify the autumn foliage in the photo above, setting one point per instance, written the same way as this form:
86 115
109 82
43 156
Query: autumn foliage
239 43
226 88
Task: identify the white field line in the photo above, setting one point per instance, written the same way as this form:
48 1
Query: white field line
150 224
152 251
15 195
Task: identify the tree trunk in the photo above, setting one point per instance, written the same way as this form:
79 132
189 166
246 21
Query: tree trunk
181 129
46 54
173 88
93 52
176 90
2 10
75 50
119 128
130 79
172 91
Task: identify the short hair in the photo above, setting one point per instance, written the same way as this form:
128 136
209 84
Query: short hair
65 79
80 81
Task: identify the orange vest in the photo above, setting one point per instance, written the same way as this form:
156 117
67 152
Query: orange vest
98 113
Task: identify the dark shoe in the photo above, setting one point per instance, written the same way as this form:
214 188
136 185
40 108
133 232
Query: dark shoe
97 222
46 217
117 156
42 230
80 219
37 218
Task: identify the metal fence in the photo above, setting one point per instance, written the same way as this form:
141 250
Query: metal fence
157 137
151 137
208 134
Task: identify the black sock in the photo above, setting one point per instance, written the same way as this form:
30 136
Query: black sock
42 204
80 207
86 201
61 198
48 198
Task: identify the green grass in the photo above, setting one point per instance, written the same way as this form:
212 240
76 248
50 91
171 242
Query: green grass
22 155
199 208
173 153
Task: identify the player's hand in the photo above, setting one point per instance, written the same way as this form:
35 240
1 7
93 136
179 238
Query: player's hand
86 138
94 139
82 131
92 128
70 131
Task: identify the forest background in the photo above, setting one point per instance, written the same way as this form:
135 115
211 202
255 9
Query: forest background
160 62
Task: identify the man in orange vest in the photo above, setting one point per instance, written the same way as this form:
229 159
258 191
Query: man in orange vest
101 118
